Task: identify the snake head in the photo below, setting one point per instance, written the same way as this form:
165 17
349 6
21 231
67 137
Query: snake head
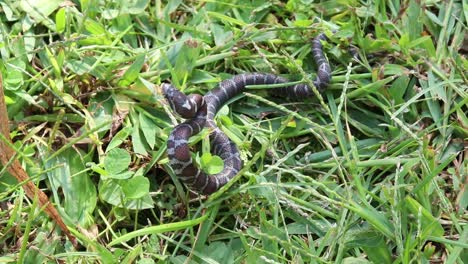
183 105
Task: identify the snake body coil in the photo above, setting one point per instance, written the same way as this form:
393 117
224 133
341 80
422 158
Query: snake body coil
200 112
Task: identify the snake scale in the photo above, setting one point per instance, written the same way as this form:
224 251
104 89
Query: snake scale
201 110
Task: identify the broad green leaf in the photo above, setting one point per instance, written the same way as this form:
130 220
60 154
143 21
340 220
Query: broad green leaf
394 69
141 203
53 61
29 44
121 176
136 187
172 6
398 88
135 7
137 141
430 225
371 241
124 25
85 65
186 59
9 14
98 33
14 78
95 40
201 76
110 13
404 41
119 138
211 164
60 22
26 97
220 252
47 243
9 100
411 20
132 73
78 66
111 192
40 10
94 27
220 34
303 23
425 43
116 161
149 129
68 173
374 217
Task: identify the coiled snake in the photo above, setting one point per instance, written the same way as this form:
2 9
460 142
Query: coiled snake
201 110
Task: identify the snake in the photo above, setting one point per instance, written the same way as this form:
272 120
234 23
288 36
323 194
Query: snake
200 111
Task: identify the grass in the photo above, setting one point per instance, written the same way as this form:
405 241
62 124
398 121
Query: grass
372 170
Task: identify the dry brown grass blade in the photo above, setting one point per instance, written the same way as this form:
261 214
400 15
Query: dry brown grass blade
15 169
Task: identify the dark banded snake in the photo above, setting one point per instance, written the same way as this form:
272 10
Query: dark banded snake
201 110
